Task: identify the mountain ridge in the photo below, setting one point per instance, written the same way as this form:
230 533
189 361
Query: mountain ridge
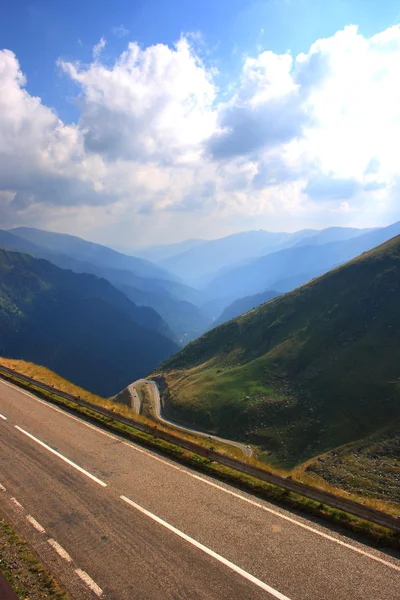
97 254
309 371
300 263
160 295
77 325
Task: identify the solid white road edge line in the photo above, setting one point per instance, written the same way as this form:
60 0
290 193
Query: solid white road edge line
3 417
206 550
133 446
89 582
59 549
35 524
16 503
69 462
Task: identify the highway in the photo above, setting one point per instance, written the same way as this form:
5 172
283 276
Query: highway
247 450
118 521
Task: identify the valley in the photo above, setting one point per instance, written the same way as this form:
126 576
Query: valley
307 372
298 378
199 300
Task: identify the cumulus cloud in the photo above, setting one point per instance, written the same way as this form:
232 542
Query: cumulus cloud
247 129
301 139
44 170
356 109
39 155
266 112
151 104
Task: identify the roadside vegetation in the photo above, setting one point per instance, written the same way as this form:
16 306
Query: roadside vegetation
369 468
48 377
28 577
375 534
119 404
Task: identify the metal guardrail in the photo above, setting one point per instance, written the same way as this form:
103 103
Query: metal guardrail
349 506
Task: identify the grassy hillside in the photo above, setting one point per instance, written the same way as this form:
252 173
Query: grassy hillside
305 373
50 378
243 305
77 325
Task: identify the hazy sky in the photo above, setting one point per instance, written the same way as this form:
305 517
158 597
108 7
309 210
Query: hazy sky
151 121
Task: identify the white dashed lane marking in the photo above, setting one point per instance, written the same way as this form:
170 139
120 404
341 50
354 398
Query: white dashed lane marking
16 503
35 524
208 551
59 549
89 582
263 507
64 458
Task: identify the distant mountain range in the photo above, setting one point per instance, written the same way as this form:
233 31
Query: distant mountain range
224 270
203 260
307 372
310 368
144 283
162 252
77 325
200 263
287 269
90 253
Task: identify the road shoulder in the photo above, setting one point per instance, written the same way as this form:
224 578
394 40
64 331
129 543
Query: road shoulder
23 572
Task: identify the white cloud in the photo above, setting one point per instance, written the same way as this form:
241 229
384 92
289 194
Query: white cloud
120 31
98 48
267 111
151 104
42 160
356 105
301 142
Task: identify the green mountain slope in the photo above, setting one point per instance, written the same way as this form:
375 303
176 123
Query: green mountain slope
243 305
77 325
309 371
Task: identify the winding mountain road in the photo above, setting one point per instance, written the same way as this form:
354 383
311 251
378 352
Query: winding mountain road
247 450
116 521
135 400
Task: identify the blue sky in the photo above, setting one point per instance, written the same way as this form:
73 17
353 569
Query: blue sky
41 32
246 141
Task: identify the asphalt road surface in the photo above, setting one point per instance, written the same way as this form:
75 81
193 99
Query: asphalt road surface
247 450
120 522
135 400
